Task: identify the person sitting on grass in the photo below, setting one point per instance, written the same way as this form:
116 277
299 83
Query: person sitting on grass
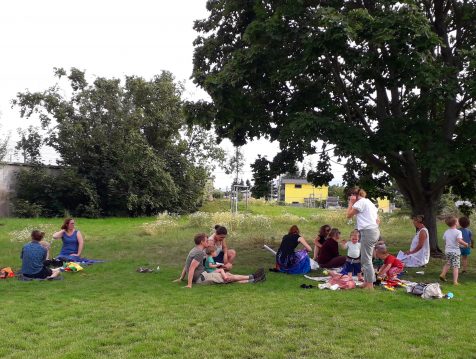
73 242
329 253
320 239
290 261
352 262
194 269
391 267
33 255
224 255
419 253
212 266
453 240
468 238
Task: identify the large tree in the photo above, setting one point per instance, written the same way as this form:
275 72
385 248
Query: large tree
390 83
127 139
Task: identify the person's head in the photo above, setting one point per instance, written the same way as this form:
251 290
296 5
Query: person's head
357 192
464 222
451 221
324 230
381 252
294 229
220 232
354 236
211 251
200 239
68 224
417 220
334 234
37 235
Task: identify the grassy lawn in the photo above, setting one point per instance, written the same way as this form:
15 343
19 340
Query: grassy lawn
109 310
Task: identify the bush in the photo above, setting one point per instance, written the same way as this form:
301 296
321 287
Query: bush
25 209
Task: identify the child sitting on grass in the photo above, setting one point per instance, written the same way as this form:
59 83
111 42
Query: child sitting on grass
211 265
352 262
468 238
453 240
391 267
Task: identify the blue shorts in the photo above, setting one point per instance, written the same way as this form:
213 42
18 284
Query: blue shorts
220 257
465 251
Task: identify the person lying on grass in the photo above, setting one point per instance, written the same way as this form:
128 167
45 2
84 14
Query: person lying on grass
391 267
33 255
194 269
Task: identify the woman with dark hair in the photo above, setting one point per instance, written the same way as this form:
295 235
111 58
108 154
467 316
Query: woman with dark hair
320 239
290 261
73 242
329 253
419 253
224 255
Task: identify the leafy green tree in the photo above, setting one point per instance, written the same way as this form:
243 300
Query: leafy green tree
392 84
125 139
235 165
4 147
261 178
30 144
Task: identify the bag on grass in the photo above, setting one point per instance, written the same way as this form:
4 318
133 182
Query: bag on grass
426 291
6 272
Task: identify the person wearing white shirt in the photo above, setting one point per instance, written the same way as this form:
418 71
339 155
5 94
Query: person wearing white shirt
366 214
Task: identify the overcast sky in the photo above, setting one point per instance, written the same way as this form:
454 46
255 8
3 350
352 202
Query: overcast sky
105 38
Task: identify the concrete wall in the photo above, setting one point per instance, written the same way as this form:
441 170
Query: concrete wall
8 172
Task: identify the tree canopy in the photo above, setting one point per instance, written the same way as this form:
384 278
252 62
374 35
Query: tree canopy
391 84
127 140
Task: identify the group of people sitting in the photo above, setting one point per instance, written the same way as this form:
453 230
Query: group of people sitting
35 253
367 257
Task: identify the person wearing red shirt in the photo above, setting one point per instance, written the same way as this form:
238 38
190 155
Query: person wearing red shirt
391 268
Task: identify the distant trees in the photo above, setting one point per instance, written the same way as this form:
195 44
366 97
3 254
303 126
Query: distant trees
125 143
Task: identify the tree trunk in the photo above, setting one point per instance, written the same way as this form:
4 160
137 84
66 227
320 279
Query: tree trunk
424 202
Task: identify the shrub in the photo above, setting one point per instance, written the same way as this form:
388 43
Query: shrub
25 209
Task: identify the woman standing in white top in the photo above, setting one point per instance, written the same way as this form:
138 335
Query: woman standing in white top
366 215
419 253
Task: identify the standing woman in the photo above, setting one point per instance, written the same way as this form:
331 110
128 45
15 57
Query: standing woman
290 261
366 215
224 254
73 242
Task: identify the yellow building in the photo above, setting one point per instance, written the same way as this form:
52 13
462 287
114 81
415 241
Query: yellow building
384 205
300 191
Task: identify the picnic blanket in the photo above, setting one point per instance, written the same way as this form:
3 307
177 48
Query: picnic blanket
82 261
22 278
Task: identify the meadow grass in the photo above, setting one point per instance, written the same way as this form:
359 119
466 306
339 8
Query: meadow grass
109 310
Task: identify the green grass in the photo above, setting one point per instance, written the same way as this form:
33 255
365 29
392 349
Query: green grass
109 310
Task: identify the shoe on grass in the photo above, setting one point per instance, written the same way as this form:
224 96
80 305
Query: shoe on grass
258 272
260 278
443 279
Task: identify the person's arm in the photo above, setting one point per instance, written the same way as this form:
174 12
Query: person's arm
463 243
224 248
182 275
191 272
384 270
58 235
317 246
421 242
80 245
343 244
471 239
305 244
351 212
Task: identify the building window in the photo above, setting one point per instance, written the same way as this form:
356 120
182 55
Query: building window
297 186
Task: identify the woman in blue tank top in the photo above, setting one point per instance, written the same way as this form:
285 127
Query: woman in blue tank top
73 242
